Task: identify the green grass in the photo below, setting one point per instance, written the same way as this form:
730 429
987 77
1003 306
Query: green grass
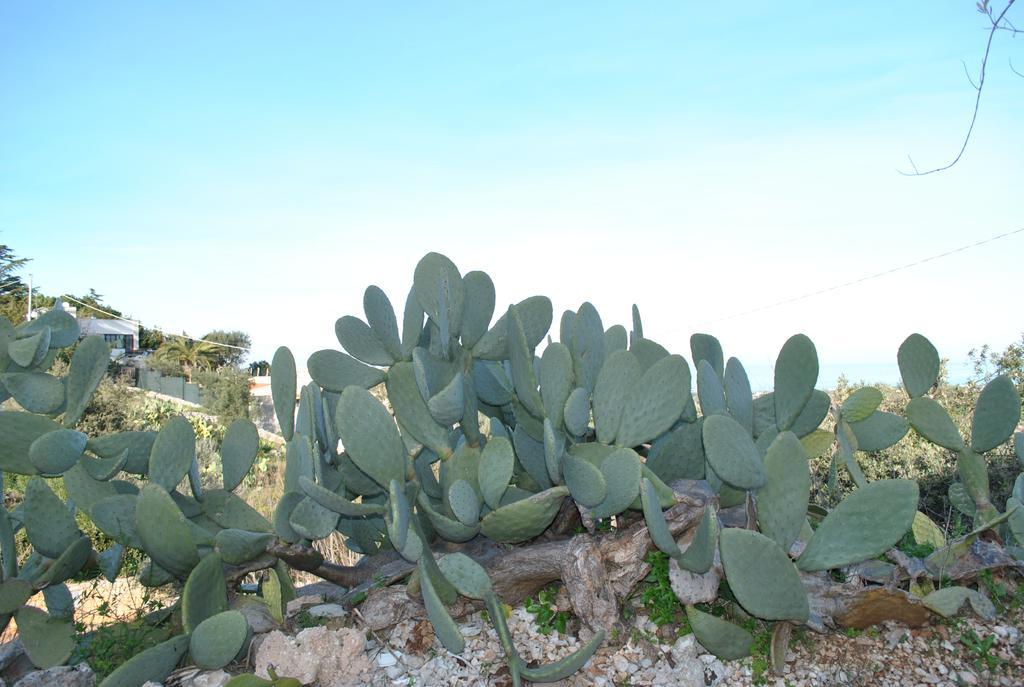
108 647
547 617
657 597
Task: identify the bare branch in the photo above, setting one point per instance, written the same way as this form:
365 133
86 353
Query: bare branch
1014 69
997 24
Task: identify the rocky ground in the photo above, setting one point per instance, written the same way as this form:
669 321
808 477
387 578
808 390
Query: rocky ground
324 645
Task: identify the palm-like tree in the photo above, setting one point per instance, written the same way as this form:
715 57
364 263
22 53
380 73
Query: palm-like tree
190 355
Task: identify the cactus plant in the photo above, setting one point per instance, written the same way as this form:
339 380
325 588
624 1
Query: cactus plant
486 437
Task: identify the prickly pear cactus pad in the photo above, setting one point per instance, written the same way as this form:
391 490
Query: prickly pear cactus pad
482 453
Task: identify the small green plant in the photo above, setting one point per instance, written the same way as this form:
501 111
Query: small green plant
853 632
546 615
305 619
760 651
657 598
909 546
108 647
980 650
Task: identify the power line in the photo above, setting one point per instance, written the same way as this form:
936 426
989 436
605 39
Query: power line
156 329
869 277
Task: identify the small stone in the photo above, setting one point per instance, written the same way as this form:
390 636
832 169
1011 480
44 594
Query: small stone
60 676
207 678
327 611
300 602
386 658
967 677
470 630
685 649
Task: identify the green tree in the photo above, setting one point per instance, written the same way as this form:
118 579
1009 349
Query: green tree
13 291
99 309
230 356
189 355
1010 362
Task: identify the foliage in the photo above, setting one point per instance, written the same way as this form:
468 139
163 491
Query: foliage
657 597
989 364
545 611
229 356
605 418
187 355
225 393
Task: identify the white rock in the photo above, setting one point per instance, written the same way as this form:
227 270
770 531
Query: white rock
327 611
59 676
387 658
332 657
207 678
685 649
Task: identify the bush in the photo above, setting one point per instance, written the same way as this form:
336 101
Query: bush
225 393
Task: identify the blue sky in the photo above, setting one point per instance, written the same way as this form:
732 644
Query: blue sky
255 166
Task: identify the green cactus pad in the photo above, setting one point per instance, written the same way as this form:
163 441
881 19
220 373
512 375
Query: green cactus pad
356 337
36 392
678 454
647 352
782 501
164 532
521 359
933 423
50 526
710 391
621 472
31 350
115 517
172 453
449 404
534 315
370 436
152 575
814 412
205 593
14 593
466 575
412 411
947 601
153 664
577 412
398 515
879 431
138 444
865 524
961 500
739 398
438 286
927 532
238 451
656 524
587 346
584 480
762 577
531 456
334 371
19 431
463 501
48 641
497 461
618 375
448 529
446 629
919 365
725 640
973 473
228 510
57 452
216 641
731 453
283 387
62 325
335 502
655 401
861 404
616 338
996 414
88 366
556 381
563 668
492 385
700 554
276 590
524 519
479 307
311 520
239 546
796 372
707 347
381 317
282 514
